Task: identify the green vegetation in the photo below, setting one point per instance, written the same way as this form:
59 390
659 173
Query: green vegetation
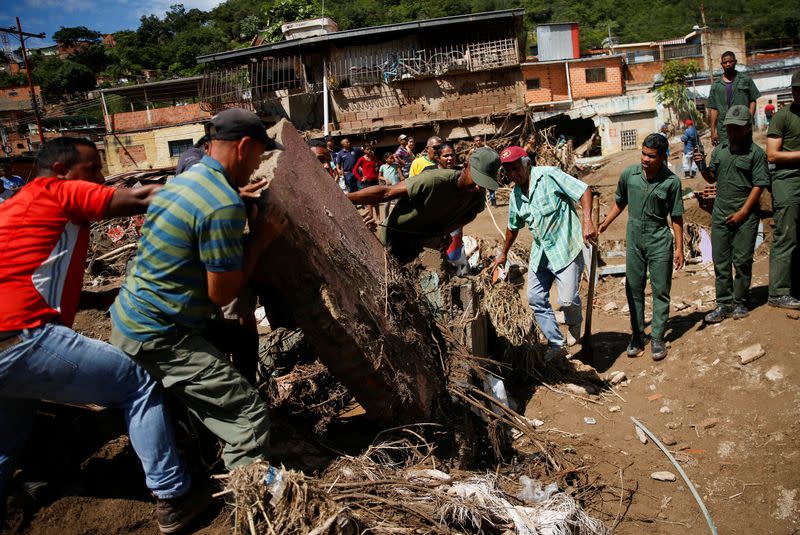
673 94
167 46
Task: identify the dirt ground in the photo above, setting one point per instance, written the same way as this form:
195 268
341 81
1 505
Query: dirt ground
746 467
733 427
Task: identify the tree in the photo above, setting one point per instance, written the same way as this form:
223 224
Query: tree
673 94
71 36
283 11
58 77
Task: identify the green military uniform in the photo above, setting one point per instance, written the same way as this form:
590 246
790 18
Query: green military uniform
737 173
649 241
744 92
434 205
785 124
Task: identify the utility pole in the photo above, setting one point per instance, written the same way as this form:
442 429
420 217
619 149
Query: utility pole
707 46
34 101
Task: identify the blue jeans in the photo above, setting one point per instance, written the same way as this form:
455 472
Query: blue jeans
568 283
55 363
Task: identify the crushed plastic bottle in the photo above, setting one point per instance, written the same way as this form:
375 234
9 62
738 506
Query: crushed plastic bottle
275 483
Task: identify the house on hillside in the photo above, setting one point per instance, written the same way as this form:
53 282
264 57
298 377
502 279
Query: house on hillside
457 76
149 125
18 133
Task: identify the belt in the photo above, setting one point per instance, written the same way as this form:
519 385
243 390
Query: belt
9 339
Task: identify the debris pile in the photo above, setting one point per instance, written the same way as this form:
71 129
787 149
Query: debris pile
399 486
113 241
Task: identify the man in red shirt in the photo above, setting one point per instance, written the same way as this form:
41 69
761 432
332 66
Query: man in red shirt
44 237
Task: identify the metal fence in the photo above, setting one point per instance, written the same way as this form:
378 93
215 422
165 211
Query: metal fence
393 62
249 86
262 80
687 51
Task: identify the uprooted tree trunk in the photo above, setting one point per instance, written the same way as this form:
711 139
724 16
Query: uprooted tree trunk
334 278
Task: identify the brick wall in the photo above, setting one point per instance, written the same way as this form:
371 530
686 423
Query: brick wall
614 84
450 98
173 115
18 98
552 83
643 73
132 155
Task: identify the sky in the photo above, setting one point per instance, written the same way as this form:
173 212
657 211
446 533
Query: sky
105 16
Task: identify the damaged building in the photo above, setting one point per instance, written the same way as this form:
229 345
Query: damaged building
454 76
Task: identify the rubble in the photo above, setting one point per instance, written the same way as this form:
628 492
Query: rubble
663 476
708 423
750 353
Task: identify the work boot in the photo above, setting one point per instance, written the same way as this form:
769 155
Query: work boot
784 301
554 353
718 314
658 349
739 311
685 175
693 175
636 345
174 514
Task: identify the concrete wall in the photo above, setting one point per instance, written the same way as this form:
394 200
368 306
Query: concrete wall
723 40
455 97
140 120
146 149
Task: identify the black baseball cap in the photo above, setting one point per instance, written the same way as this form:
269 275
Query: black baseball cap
235 123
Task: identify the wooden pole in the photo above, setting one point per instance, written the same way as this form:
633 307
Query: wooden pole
34 100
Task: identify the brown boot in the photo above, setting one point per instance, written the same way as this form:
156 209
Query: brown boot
174 514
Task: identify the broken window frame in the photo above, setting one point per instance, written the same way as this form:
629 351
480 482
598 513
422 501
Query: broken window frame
595 75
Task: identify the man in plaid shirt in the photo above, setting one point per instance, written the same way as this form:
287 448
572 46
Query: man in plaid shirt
544 198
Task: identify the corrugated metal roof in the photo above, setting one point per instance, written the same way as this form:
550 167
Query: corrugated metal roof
388 29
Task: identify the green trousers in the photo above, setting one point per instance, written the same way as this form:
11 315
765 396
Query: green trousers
733 248
196 372
784 252
649 248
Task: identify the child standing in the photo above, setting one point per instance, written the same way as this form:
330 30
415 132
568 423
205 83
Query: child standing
653 194
739 167
389 174
366 173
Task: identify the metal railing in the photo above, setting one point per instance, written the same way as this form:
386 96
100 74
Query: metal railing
392 62
687 51
250 85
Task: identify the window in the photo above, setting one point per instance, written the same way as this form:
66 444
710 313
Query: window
532 84
179 146
629 140
595 75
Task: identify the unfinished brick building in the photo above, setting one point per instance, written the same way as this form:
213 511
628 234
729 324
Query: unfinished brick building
458 76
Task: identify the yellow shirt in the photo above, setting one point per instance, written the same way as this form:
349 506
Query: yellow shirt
418 165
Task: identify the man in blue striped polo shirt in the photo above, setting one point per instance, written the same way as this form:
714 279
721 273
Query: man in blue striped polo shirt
191 259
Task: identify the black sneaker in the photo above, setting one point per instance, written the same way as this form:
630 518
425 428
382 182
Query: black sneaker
739 312
636 345
175 514
784 301
718 314
658 349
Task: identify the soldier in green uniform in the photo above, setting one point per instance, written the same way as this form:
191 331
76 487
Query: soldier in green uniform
739 167
731 89
653 194
783 150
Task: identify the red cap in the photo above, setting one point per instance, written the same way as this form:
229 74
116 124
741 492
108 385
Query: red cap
512 154
689 122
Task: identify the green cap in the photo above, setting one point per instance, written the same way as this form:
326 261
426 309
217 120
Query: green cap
796 79
483 167
738 115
